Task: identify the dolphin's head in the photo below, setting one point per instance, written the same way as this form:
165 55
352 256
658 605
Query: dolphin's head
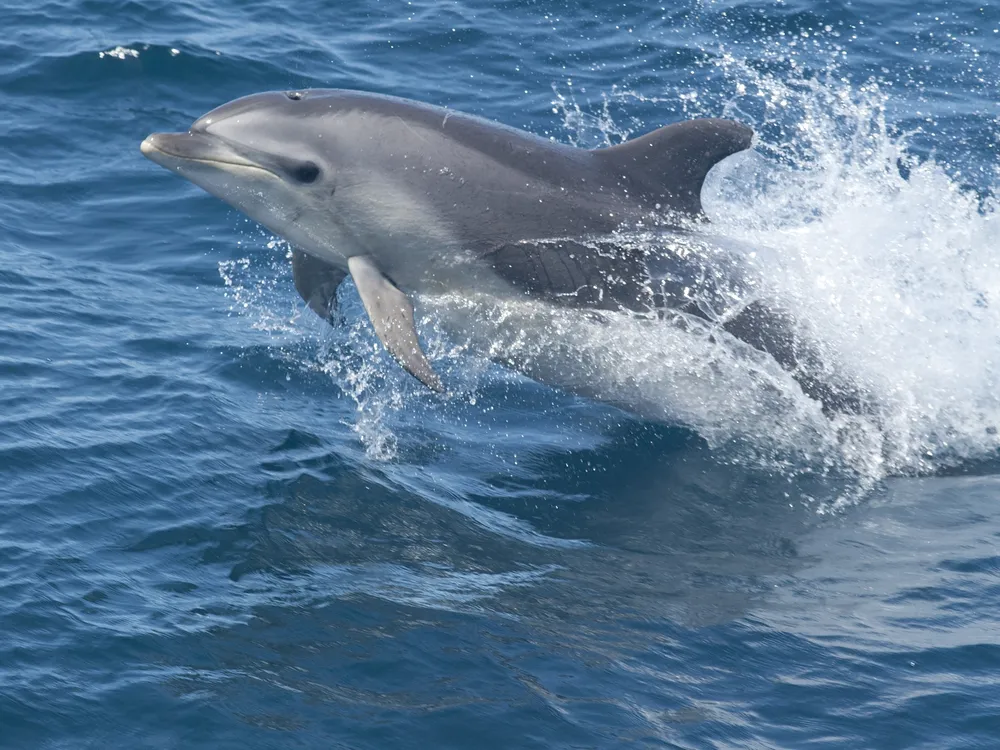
265 155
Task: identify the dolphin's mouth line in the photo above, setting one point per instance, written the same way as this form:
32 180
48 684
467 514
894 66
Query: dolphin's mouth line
149 146
217 162
220 162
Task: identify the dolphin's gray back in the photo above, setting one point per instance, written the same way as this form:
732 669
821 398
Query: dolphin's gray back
487 183
666 166
436 132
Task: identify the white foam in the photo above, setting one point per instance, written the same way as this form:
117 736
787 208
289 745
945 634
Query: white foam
119 53
897 278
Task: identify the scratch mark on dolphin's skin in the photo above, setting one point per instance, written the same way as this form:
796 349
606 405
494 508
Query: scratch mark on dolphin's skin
412 129
445 120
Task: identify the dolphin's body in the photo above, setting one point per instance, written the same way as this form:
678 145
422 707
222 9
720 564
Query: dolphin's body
413 199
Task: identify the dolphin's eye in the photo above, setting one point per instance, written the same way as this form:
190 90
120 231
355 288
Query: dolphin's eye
306 172
294 95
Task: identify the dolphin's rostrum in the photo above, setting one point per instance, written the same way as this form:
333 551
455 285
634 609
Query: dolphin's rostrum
410 198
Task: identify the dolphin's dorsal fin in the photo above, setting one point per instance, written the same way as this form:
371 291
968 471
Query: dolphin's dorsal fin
316 281
669 165
392 317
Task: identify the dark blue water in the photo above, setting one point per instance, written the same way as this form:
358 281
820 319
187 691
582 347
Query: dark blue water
225 525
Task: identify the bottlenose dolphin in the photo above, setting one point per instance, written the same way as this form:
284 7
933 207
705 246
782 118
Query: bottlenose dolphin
410 198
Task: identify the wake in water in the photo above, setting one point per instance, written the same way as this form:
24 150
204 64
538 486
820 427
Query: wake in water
887 265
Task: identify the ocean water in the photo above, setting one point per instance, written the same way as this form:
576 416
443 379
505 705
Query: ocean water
225 524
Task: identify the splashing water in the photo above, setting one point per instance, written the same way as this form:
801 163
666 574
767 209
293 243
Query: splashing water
886 259
887 262
259 288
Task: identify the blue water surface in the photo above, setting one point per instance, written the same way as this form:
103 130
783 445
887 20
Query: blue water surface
224 524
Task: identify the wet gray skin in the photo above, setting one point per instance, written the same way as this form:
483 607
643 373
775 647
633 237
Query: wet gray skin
410 198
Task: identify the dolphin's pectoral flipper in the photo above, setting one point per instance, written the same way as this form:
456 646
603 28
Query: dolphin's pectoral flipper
597 275
317 281
392 316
